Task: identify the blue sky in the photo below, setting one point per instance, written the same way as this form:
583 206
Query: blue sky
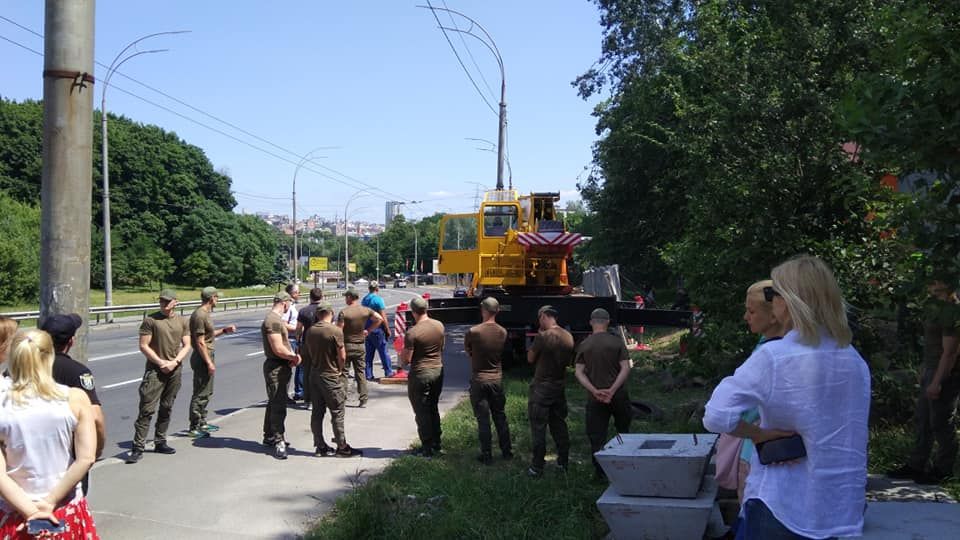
375 79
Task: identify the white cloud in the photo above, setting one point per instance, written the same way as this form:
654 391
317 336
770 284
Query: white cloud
440 193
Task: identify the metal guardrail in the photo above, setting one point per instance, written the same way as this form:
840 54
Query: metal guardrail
223 304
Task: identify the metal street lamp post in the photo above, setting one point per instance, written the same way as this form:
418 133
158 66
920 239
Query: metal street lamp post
346 232
118 61
307 157
492 46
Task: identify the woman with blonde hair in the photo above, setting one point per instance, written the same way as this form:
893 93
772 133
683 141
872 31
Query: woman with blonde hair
48 443
8 327
733 453
813 384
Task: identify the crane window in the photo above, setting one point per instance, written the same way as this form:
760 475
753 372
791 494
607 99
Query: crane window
498 219
460 233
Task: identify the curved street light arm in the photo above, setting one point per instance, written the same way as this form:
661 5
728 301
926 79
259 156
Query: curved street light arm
492 48
134 43
473 23
112 70
308 157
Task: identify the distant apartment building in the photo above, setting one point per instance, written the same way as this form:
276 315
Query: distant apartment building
392 211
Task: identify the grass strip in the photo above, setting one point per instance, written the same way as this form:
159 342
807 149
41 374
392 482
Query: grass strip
457 497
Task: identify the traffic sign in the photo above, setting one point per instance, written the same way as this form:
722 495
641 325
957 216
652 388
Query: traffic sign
318 264
352 267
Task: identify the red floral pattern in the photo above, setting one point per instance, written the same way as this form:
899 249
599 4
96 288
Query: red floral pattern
75 515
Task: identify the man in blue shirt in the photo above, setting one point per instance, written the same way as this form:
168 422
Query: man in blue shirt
376 340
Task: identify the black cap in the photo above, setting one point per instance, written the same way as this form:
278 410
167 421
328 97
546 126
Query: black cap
61 326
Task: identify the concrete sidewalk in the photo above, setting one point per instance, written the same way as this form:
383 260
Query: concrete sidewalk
229 486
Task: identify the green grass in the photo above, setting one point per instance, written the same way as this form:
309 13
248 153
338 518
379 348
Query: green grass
131 296
456 497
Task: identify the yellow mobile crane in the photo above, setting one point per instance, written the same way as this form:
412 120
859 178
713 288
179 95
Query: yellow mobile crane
517 244
517 247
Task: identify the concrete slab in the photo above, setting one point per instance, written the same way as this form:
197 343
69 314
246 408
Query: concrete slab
657 464
658 518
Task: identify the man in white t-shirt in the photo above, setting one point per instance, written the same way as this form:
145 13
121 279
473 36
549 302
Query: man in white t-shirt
290 320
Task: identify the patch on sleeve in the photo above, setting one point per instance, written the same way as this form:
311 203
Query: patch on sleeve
86 381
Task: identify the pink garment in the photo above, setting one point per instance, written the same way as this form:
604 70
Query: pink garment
728 460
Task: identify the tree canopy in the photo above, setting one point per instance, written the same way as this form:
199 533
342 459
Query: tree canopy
735 134
172 214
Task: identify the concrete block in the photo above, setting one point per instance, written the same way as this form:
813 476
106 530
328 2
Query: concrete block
657 518
657 465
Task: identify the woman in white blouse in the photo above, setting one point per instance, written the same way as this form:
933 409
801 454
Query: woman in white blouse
48 443
811 383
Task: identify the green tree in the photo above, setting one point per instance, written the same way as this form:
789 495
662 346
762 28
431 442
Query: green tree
19 252
905 117
167 203
721 153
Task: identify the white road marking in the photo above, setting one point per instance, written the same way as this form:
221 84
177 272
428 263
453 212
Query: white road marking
255 353
236 334
109 356
115 385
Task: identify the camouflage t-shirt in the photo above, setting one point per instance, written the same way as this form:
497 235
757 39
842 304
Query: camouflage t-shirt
323 342
484 344
201 327
426 340
166 334
601 355
272 324
354 318
553 350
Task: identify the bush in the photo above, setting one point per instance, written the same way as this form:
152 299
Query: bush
723 346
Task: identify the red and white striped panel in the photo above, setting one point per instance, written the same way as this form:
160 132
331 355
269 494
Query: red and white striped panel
549 239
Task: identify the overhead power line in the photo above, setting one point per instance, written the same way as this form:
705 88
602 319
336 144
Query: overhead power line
466 46
460 60
350 181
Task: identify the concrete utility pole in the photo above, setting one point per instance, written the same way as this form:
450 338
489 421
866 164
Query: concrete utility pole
67 177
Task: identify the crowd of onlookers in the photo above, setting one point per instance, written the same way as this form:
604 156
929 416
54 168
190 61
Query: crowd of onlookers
793 417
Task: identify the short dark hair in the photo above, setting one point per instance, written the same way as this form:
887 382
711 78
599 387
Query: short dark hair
292 287
316 294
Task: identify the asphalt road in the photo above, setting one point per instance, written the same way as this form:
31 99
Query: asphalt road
118 367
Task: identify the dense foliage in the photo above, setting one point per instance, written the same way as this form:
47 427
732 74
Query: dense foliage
172 213
739 133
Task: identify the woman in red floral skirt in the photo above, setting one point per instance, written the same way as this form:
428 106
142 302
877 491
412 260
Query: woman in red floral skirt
48 441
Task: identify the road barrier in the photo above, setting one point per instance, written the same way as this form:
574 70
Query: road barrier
399 330
223 304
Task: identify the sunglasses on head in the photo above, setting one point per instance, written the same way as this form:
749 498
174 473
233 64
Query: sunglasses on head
769 293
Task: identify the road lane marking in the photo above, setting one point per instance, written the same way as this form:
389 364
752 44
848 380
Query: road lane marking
255 353
109 356
236 334
115 385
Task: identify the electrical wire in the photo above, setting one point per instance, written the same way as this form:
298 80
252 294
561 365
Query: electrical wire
469 53
462 65
351 181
